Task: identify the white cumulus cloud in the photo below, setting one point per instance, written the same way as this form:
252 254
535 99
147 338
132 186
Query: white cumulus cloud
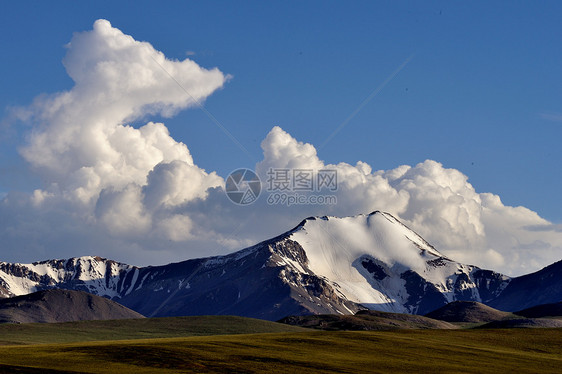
99 170
135 194
437 202
82 142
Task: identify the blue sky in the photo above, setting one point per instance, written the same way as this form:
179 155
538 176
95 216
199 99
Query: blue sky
474 96
480 94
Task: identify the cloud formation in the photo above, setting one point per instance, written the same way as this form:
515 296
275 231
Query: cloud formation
97 167
438 203
134 194
89 155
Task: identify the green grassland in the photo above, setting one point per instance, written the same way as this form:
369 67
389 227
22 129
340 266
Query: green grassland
303 351
146 328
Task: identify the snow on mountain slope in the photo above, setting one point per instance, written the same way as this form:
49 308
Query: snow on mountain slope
91 274
371 260
325 265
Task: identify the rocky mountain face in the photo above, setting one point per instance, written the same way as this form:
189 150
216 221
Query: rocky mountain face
325 265
95 275
541 287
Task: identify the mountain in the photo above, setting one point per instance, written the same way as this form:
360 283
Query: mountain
467 311
523 323
541 287
543 310
61 306
366 320
95 275
380 263
325 265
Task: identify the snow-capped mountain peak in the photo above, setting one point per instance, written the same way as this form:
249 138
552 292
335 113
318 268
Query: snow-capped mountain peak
324 265
370 258
96 275
331 242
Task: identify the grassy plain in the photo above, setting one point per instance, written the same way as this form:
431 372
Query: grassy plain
146 328
151 349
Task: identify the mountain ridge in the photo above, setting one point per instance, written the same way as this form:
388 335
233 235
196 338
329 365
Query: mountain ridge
57 305
324 265
468 311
